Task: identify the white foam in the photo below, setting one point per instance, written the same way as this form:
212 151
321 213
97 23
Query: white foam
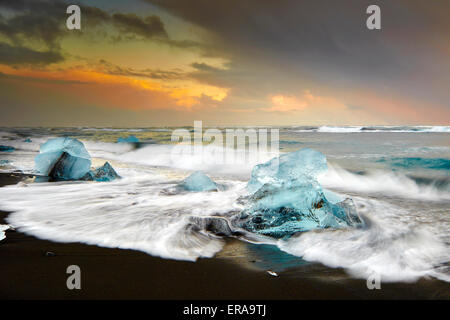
133 213
107 149
339 129
211 159
388 183
388 247
113 129
130 213
3 228
356 129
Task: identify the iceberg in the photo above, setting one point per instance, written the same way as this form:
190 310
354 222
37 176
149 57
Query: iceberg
28 140
198 181
292 168
103 173
7 148
129 139
286 197
63 159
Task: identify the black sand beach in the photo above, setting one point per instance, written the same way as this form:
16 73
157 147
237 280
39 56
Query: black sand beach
36 269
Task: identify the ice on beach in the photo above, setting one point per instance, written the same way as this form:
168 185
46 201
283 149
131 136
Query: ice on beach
292 168
3 228
129 139
198 181
103 173
63 159
7 148
286 197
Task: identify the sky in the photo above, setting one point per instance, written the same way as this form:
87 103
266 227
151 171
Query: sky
141 63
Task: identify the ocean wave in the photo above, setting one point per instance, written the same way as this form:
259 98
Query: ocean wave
418 162
114 129
211 158
131 213
359 129
339 129
387 247
387 183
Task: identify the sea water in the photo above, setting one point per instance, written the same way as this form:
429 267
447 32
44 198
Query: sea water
398 178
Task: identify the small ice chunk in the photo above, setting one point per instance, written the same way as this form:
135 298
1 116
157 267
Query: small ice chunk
103 173
28 140
4 162
198 181
63 159
129 139
7 148
3 228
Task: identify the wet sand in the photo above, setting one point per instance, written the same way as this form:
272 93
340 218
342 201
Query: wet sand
31 268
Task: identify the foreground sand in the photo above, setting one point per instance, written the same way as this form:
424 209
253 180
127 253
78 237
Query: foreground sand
28 271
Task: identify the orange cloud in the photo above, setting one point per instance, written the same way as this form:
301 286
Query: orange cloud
184 95
291 103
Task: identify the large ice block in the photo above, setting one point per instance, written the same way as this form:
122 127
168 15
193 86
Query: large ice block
292 168
286 197
63 159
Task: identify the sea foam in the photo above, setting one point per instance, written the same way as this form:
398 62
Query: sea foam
131 213
386 246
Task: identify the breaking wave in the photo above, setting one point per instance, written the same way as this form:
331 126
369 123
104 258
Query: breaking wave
353 129
387 247
387 183
399 242
131 213
418 162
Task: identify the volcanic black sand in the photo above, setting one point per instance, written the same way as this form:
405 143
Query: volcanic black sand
31 268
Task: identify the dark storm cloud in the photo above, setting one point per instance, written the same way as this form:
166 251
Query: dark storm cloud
15 55
113 69
277 45
36 22
225 78
312 28
33 20
148 27
4 76
26 24
331 33
29 23
204 67
45 21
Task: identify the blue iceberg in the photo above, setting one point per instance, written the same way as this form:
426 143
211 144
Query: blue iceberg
129 139
7 148
63 159
286 197
28 140
198 181
103 173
